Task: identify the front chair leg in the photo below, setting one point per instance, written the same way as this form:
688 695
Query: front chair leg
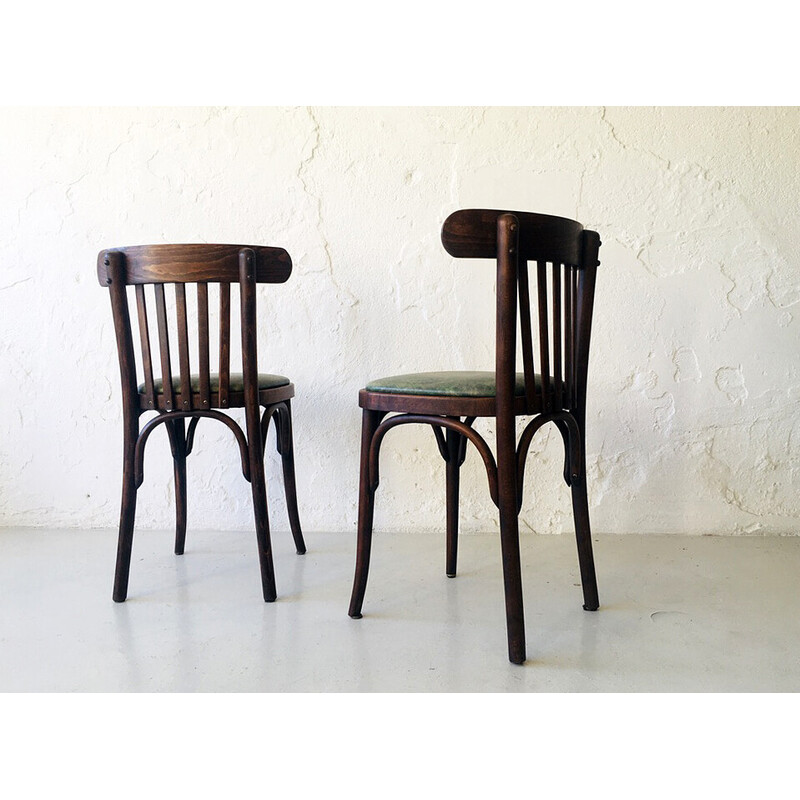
177 439
508 504
583 534
512 582
366 507
285 446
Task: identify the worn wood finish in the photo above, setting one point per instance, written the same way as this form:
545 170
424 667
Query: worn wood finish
147 359
233 399
472 233
183 347
446 406
174 266
563 260
190 263
163 345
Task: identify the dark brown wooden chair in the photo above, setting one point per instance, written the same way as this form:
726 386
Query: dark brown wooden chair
551 388
176 398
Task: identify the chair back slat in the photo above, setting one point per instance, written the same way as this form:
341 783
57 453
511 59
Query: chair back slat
203 345
183 347
147 359
568 335
525 333
163 344
544 339
557 338
565 257
573 279
224 343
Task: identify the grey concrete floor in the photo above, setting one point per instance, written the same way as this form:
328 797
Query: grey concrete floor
678 614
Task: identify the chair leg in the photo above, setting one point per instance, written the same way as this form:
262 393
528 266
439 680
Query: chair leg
583 534
126 516
177 438
366 507
509 539
285 446
454 461
258 484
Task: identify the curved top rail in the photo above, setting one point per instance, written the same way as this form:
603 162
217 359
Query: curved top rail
189 263
472 233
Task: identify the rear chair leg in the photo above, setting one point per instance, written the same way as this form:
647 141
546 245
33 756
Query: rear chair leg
285 446
455 449
259 487
258 484
126 516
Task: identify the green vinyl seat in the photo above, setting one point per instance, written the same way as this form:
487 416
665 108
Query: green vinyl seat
444 384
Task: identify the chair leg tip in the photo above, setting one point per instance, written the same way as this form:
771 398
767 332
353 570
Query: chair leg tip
591 607
451 574
301 552
355 616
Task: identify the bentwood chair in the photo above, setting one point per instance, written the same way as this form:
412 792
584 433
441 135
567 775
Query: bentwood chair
551 388
212 269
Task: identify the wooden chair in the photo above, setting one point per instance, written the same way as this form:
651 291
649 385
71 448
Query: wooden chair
563 278
200 395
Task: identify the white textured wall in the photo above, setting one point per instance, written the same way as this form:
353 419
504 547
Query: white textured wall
694 386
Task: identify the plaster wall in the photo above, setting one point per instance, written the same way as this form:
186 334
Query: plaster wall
693 423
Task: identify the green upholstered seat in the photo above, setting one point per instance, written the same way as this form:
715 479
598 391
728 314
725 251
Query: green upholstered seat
443 384
265 381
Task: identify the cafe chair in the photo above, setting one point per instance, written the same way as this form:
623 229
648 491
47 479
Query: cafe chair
165 272
547 265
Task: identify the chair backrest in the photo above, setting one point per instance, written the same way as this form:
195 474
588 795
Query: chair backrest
181 264
563 260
